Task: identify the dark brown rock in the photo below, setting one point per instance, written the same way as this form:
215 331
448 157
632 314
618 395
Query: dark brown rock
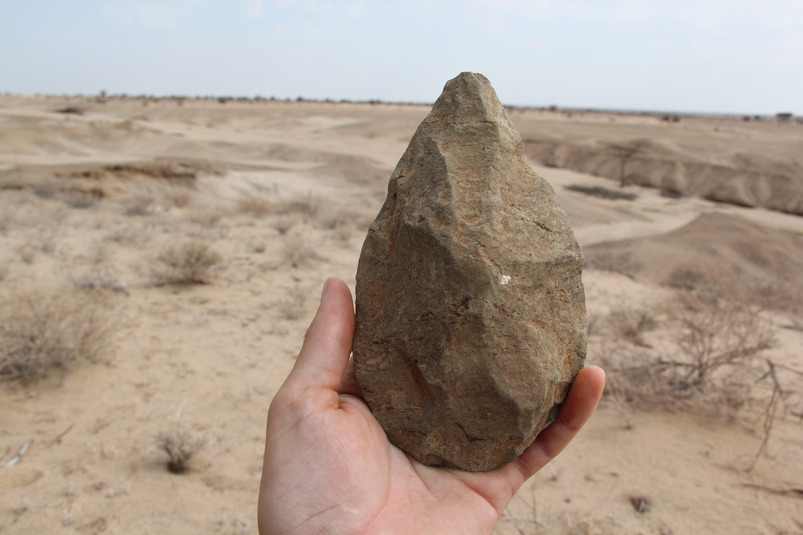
470 305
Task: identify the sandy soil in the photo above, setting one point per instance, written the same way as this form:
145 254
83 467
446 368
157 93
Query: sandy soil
284 193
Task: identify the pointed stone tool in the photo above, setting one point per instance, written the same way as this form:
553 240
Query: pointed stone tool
470 322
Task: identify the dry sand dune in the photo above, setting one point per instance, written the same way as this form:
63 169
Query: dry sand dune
277 196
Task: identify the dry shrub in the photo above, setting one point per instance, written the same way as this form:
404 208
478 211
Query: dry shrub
341 224
207 216
27 253
292 305
80 200
46 189
309 206
180 447
188 263
632 324
344 233
284 223
42 332
140 205
127 236
181 444
98 278
300 255
332 220
719 333
255 205
713 357
602 193
179 197
713 353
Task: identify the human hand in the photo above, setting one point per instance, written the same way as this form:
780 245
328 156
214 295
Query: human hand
329 467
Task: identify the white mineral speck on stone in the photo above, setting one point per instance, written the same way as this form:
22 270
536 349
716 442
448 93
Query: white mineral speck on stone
504 279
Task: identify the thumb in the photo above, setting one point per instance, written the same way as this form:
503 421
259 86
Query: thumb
324 355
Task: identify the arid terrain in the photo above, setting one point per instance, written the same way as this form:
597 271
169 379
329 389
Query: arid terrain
160 261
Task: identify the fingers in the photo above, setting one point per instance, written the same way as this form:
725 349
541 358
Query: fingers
327 344
575 412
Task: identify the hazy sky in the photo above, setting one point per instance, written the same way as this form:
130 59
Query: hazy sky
739 56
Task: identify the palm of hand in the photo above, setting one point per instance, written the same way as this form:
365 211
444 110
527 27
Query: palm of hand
355 481
329 467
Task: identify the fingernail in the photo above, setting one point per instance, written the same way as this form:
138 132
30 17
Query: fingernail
323 290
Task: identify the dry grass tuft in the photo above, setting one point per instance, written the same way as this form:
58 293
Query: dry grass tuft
300 255
641 504
284 223
192 262
42 332
179 196
80 200
98 278
292 304
256 205
207 216
140 205
309 206
180 443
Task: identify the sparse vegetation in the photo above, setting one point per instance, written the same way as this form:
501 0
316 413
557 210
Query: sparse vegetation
139 206
714 349
631 324
98 278
718 332
43 332
179 196
292 304
181 444
308 206
300 255
255 205
62 221
283 224
641 504
80 200
207 216
189 263
45 190
711 354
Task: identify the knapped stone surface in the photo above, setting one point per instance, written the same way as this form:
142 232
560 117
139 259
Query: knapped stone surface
470 305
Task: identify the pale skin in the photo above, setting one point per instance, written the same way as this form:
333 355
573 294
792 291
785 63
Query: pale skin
329 468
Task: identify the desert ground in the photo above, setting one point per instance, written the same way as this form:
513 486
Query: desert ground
160 260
